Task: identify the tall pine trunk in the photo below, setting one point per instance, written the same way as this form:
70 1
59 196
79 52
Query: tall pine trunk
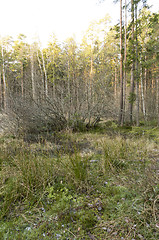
137 74
125 59
120 120
131 97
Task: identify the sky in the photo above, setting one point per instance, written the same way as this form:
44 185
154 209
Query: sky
64 18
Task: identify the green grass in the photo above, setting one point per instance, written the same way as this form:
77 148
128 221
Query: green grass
105 187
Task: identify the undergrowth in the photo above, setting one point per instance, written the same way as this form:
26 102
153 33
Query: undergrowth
107 189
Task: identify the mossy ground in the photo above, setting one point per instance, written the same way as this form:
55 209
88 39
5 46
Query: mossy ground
101 184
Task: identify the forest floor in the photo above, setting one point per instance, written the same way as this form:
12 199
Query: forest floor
101 184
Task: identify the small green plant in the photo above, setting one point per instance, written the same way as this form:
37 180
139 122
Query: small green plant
62 194
61 201
87 218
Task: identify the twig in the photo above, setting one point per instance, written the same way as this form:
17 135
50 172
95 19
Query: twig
72 233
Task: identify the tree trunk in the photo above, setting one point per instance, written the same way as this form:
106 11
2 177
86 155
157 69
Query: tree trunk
157 99
142 95
115 83
0 92
137 77
120 121
125 59
54 87
69 91
131 100
45 74
42 77
145 86
22 80
4 81
32 76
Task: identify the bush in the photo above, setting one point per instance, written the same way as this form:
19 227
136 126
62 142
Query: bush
35 118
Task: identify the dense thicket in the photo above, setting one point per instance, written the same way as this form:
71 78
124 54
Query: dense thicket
70 85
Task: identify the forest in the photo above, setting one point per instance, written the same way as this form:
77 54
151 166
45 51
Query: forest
113 74
79 132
